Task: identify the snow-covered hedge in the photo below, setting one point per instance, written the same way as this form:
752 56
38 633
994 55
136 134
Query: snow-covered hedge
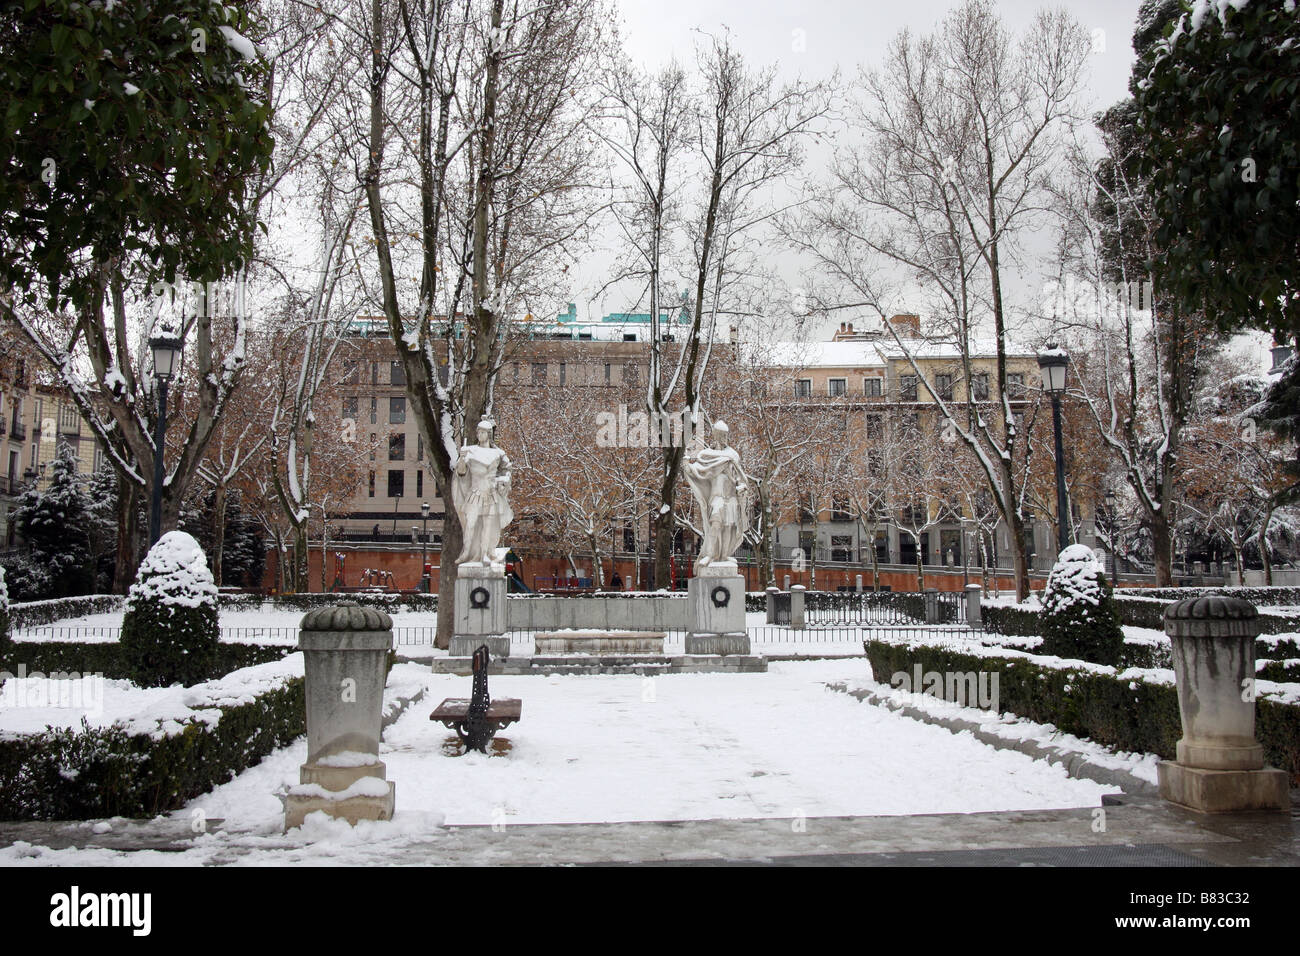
311 601
40 613
1079 618
170 632
1130 710
1142 611
1259 596
77 774
4 614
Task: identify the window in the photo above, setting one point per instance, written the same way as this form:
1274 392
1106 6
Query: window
875 428
907 388
372 484
840 509
607 368
374 373
943 385
563 374
837 387
69 420
419 447
871 387
397 447
629 336
351 372
397 410
374 440
398 373
979 387
539 373
374 411
803 388
350 408
807 507
396 483
1015 384
419 484
631 374
842 547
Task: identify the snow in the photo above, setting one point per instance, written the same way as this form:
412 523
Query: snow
239 43
30 704
174 572
130 88
1074 579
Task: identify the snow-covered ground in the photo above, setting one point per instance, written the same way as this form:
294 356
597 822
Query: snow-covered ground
678 747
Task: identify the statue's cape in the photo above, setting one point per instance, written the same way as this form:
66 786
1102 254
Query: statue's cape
463 485
708 464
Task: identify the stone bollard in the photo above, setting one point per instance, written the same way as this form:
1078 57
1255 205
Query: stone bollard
931 597
787 583
857 583
973 617
345 651
1220 764
796 606
772 591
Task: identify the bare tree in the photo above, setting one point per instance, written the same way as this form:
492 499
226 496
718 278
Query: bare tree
961 128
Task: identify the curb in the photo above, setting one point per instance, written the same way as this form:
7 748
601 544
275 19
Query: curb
1075 764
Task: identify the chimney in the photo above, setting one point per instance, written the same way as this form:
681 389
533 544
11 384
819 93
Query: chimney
906 324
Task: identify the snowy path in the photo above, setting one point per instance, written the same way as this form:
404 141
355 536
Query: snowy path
707 746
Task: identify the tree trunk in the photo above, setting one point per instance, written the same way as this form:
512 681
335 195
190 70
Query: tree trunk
1162 546
128 533
664 526
218 531
1263 545
452 541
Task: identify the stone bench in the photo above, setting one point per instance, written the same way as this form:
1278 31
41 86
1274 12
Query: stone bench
454 712
598 642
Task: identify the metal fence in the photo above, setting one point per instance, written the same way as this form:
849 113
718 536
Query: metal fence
857 634
879 608
232 635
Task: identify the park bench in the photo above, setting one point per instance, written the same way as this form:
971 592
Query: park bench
476 720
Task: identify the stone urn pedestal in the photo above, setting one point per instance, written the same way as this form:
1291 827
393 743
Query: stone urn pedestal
480 611
345 650
1220 764
716 611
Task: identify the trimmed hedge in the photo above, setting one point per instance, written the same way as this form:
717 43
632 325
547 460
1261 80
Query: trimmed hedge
108 659
310 601
1128 715
1258 596
40 613
1148 612
72 774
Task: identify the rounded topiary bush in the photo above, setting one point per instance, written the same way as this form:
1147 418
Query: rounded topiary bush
170 631
1080 619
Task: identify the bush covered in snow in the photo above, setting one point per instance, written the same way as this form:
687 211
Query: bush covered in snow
170 631
54 524
4 615
1080 619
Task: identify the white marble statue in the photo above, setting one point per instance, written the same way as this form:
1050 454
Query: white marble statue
481 487
721 490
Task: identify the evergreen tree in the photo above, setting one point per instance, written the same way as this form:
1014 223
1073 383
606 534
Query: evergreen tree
54 524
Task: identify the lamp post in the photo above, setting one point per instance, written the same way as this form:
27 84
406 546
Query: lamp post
1052 363
166 352
424 549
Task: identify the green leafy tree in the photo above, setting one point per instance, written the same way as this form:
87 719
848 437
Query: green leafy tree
1218 109
129 130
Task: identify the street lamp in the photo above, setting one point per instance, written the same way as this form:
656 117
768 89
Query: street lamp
1052 363
166 353
424 549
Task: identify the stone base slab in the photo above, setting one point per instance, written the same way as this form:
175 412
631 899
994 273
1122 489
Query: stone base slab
1218 755
644 665
1223 791
599 642
724 644
339 778
464 645
298 806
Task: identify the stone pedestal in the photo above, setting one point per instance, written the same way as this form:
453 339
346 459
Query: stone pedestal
480 611
598 642
345 651
1220 764
716 611
973 616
